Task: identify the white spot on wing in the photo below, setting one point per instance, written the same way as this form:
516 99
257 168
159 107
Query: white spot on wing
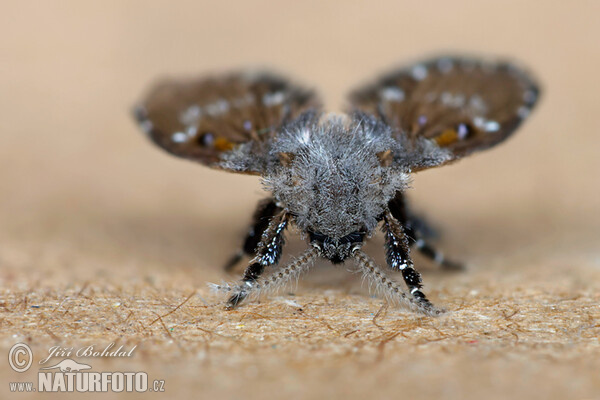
419 72
523 112
529 97
217 108
445 65
462 131
147 126
191 115
392 93
477 103
208 139
451 100
273 99
446 98
492 126
192 130
179 137
486 125
459 100
479 122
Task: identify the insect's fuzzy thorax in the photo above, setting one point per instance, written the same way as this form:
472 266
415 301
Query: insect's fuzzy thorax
332 180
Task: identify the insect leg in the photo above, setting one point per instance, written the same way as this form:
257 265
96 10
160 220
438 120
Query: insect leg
398 257
417 231
437 256
265 211
268 253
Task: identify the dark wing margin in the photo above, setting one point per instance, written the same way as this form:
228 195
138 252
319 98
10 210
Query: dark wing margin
209 119
457 105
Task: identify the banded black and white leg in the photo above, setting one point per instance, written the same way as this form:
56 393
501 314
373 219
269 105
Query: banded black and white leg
268 254
398 259
265 211
417 231
269 251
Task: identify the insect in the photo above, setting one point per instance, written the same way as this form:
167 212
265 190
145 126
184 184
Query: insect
337 177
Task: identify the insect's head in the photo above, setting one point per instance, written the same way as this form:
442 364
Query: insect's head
335 175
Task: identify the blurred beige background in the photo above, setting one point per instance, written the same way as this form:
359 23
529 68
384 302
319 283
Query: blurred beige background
104 232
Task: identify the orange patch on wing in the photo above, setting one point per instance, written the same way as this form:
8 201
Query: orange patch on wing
447 137
222 144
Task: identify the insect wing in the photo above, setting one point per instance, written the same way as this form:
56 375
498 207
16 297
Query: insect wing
459 105
205 119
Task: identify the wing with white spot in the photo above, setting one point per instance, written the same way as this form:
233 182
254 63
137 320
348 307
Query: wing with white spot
209 119
457 105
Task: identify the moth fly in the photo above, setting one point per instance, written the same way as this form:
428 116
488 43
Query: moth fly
338 177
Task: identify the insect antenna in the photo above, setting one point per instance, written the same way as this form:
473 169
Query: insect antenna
269 283
390 289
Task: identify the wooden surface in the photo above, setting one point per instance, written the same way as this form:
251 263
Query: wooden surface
101 233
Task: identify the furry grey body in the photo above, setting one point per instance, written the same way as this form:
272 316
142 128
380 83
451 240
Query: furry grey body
334 184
